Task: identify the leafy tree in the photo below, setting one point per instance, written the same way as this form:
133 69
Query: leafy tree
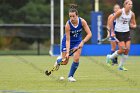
8 9
35 12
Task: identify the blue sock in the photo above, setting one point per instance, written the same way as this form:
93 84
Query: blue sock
112 51
74 66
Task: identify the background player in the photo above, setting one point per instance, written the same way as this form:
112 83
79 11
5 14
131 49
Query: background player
125 18
112 40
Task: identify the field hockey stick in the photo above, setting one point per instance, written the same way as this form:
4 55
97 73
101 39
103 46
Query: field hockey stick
72 51
118 42
116 39
106 38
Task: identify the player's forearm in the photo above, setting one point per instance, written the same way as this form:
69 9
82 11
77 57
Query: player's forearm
110 24
67 45
88 36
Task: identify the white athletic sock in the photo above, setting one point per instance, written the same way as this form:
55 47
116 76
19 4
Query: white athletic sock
122 60
114 55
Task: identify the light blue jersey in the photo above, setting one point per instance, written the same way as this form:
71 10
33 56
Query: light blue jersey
75 35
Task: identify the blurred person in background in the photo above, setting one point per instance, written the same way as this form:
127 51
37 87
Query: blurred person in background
112 40
125 19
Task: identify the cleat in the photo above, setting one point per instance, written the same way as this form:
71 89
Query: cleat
122 68
109 64
114 61
108 60
71 79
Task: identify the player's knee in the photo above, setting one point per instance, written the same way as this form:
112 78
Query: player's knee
121 51
76 59
126 51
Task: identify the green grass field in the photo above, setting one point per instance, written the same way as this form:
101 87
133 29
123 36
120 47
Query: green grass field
25 74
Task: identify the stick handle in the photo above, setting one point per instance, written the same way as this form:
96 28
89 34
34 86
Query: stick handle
116 40
74 51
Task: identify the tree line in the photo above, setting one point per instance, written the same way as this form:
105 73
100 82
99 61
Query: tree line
38 11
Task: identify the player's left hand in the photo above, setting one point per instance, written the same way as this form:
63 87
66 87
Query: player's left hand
132 26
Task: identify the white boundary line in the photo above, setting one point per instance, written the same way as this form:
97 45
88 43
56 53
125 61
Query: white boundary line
69 90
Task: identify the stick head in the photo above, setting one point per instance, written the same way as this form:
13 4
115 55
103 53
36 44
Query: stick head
47 72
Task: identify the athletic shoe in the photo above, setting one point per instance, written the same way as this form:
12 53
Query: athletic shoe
115 61
71 79
122 68
108 60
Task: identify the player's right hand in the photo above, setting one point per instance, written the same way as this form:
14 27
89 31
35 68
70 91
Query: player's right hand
112 34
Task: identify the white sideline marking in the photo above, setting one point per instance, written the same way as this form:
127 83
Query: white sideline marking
69 90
